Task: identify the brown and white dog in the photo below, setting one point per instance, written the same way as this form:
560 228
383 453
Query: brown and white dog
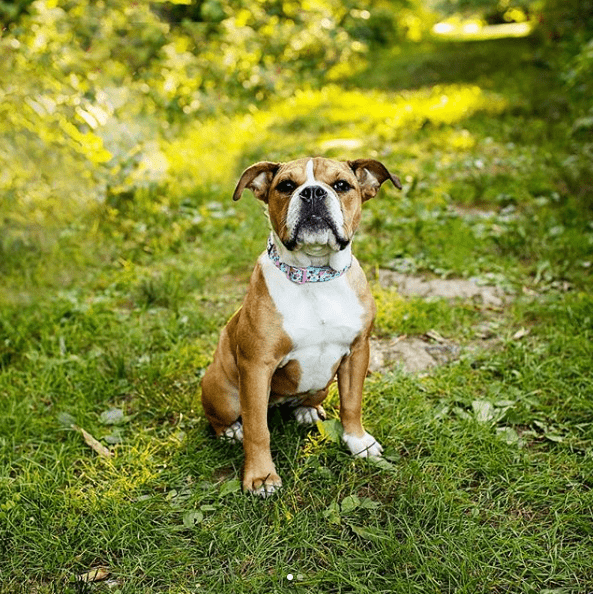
307 314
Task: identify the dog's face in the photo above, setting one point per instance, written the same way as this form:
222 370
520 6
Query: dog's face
315 204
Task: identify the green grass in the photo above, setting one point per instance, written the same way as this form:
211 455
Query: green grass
486 485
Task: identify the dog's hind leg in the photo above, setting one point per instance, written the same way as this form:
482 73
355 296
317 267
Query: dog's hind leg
222 408
220 394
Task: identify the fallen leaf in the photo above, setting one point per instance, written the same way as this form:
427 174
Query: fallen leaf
520 333
97 574
434 335
67 420
97 446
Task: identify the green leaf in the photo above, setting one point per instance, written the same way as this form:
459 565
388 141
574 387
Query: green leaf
66 419
229 487
116 436
324 472
332 513
368 503
462 414
113 416
382 463
208 508
350 503
483 410
441 411
191 518
508 435
331 430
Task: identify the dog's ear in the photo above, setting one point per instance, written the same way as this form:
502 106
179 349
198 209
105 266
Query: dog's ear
371 174
258 179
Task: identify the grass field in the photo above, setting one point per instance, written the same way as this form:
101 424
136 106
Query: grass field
109 316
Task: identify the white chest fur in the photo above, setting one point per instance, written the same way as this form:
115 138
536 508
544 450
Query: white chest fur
321 319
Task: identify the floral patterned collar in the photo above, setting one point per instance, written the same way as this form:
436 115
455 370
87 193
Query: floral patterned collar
300 276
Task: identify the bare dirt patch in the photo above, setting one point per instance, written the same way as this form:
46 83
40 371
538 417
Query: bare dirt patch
421 353
414 354
447 288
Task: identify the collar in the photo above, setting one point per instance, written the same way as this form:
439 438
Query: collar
300 276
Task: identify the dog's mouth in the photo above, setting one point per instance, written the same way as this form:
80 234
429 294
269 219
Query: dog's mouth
316 230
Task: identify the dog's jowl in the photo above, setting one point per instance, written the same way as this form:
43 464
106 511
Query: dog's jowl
307 314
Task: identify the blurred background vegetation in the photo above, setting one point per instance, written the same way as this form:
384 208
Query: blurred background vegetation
127 119
97 92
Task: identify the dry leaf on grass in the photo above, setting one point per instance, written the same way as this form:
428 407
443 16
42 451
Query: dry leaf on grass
97 446
520 333
97 574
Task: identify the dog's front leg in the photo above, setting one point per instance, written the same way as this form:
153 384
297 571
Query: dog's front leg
351 375
259 474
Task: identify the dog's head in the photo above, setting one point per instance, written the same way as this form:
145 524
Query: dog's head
315 203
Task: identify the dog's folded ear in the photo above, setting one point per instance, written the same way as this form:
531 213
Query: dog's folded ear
258 179
371 174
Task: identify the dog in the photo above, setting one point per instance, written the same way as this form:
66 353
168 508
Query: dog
307 314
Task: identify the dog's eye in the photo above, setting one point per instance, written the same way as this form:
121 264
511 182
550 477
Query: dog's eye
341 186
286 186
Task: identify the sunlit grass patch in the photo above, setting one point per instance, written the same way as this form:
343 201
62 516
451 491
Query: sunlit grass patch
133 469
312 119
398 315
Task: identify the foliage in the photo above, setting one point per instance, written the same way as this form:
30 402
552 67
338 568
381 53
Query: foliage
74 109
568 20
11 10
492 11
96 86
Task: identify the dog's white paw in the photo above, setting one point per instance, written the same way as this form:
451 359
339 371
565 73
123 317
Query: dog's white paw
234 432
308 415
363 447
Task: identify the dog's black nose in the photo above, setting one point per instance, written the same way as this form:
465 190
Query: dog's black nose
313 192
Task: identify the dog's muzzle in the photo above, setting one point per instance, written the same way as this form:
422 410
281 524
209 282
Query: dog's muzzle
316 219
314 212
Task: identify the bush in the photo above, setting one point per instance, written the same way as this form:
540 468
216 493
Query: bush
95 86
